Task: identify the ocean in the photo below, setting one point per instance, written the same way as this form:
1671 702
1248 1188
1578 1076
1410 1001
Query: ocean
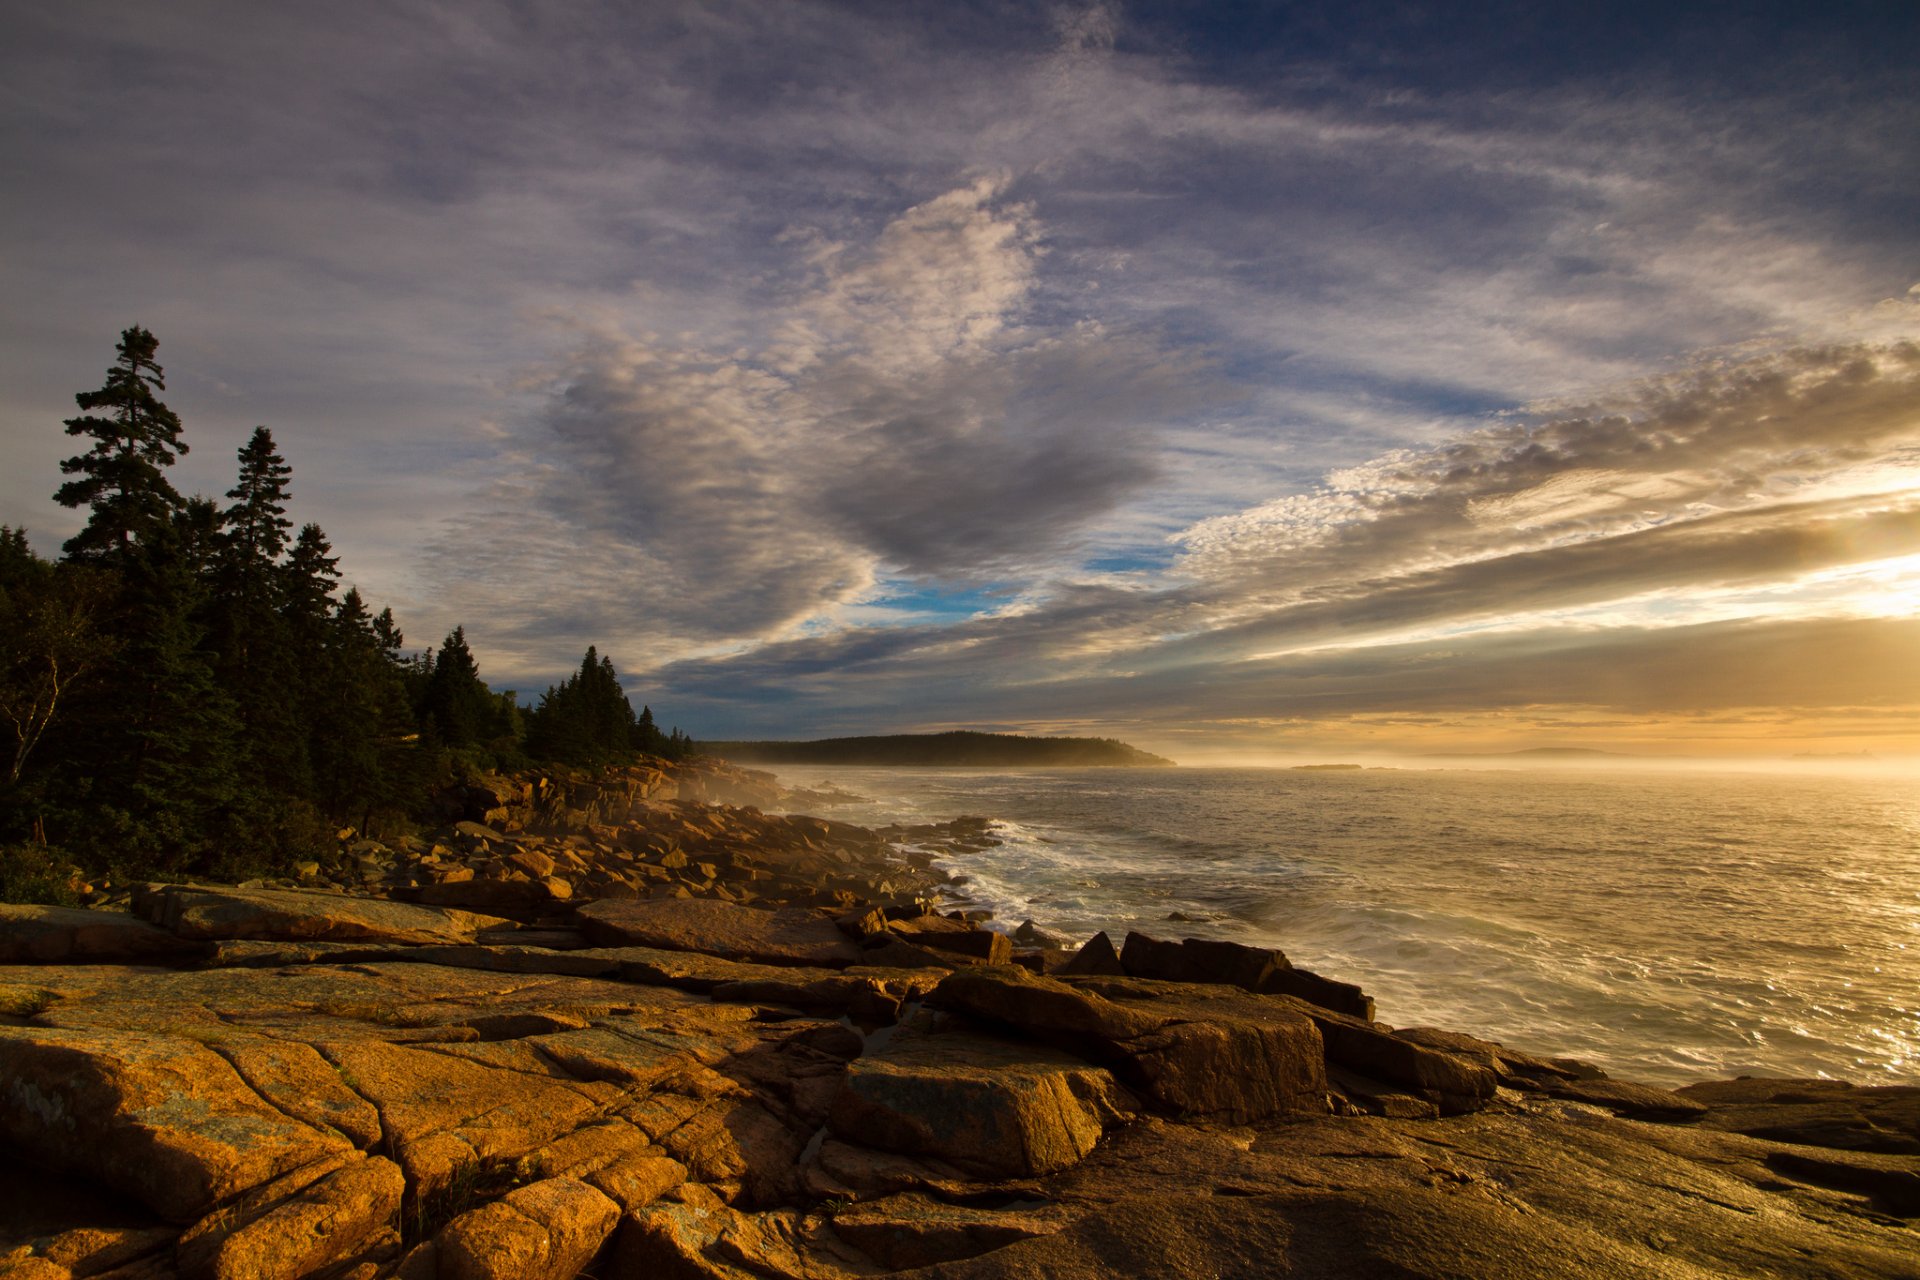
1666 926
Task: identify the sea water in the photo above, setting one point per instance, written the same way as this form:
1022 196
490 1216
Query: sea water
1668 927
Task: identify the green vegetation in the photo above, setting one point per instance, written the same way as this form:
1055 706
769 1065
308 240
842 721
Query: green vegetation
188 691
931 750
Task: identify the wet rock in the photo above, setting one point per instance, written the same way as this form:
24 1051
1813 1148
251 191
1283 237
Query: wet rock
994 1107
51 935
197 911
784 935
547 1230
166 1121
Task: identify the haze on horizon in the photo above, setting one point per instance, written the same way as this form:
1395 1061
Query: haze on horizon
1321 378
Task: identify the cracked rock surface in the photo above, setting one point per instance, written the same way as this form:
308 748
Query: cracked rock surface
283 1083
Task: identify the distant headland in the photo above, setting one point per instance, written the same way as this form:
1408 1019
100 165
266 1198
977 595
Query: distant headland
961 749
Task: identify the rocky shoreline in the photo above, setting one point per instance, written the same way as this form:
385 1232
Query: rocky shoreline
640 1025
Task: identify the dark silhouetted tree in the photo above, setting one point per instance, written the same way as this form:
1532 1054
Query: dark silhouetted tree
122 477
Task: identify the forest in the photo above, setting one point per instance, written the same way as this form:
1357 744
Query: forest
187 690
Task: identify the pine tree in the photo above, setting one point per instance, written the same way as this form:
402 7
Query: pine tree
121 477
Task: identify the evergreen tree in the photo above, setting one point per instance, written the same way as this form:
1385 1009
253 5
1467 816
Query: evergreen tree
586 719
121 477
257 521
154 763
247 628
646 735
458 704
361 757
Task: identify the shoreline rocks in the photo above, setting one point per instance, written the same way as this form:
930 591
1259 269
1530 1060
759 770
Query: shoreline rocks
701 1040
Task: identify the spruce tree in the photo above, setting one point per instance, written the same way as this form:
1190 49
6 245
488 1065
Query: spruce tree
122 477
247 628
460 707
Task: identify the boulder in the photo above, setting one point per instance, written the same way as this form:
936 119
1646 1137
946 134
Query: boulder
166 1121
983 946
1304 984
994 1107
72 935
1199 960
301 1226
204 912
1453 1083
547 1230
783 935
1259 969
1095 956
637 1180
1192 1050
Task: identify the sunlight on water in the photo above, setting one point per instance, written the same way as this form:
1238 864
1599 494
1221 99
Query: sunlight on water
1668 927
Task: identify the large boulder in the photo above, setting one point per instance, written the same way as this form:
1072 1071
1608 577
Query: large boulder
72 935
205 912
997 1108
783 935
167 1121
1452 1082
1212 1052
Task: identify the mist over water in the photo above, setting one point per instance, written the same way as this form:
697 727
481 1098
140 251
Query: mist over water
1668 927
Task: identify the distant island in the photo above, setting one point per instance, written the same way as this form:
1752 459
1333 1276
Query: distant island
962 749
1531 753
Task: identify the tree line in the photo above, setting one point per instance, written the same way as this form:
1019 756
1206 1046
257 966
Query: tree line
188 691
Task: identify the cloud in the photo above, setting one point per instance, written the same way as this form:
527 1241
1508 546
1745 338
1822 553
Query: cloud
707 331
904 418
1704 513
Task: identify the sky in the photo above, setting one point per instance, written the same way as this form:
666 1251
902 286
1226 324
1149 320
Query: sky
1234 379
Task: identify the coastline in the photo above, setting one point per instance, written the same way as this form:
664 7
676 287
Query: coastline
637 1021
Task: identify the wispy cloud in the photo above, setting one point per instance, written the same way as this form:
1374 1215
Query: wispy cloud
726 334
